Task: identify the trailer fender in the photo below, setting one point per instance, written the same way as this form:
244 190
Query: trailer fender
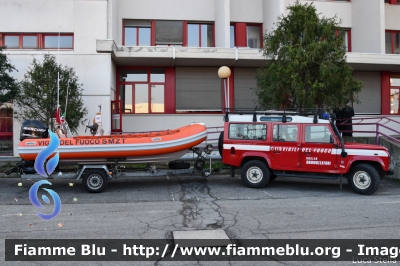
86 167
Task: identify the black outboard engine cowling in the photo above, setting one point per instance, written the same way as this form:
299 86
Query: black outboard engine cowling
33 129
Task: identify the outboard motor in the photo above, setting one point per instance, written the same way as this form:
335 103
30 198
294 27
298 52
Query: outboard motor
33 129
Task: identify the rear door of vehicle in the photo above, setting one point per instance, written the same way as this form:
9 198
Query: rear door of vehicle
316 150
249 138
285 146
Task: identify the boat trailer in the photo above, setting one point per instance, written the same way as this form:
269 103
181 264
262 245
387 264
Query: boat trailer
95 177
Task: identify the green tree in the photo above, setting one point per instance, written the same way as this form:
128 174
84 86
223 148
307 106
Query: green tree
38 94
307 66
8 85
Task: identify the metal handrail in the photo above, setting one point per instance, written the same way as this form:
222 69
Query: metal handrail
381 123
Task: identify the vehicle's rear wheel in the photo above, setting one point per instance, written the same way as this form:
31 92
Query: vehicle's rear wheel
364 179
255 174
94 181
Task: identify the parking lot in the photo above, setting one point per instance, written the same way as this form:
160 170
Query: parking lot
152 208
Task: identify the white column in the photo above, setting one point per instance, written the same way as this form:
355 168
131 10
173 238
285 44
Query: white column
222 23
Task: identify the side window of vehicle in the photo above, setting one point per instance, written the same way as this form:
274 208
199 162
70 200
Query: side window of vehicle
317 133
247 131
285 133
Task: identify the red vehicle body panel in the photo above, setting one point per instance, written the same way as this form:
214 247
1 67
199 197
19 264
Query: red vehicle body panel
299 155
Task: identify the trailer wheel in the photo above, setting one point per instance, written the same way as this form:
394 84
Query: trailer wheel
94 181
255 174
199 164
363 179
206 173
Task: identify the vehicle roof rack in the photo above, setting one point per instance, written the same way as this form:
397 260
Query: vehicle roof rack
284 112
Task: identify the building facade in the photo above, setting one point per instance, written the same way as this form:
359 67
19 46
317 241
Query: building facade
153 64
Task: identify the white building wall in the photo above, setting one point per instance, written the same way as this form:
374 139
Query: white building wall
222 23
249 11
113 21
36 16
329 9
272 9
90 23
368 31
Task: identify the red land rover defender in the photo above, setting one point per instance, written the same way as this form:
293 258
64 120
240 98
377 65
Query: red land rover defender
286 143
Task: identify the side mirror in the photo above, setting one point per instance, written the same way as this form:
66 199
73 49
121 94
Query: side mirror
343 154
331 140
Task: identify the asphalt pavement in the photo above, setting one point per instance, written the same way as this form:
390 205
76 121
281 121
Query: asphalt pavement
152 208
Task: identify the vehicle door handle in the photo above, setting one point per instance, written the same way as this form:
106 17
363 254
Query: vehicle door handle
308 153
277 152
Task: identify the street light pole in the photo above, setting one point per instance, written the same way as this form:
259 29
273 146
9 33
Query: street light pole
224 73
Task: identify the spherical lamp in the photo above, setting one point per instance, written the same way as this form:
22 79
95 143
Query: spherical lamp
224 72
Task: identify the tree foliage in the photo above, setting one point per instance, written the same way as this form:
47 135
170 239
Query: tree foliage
307 66
38 94
8 85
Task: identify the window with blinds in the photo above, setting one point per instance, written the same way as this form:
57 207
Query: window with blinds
169 32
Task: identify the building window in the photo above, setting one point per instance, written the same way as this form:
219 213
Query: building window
392 2
169 32
137 32
37 41
346 38
232 36
11 41
20 41
394 95
53 41
253 36
392 42
200 35
245 35
142 90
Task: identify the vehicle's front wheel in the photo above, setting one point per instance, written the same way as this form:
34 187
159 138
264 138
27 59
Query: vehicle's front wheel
364 179
255 174
94 181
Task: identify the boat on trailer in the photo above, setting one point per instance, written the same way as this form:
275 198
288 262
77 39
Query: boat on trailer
98 157
145 147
